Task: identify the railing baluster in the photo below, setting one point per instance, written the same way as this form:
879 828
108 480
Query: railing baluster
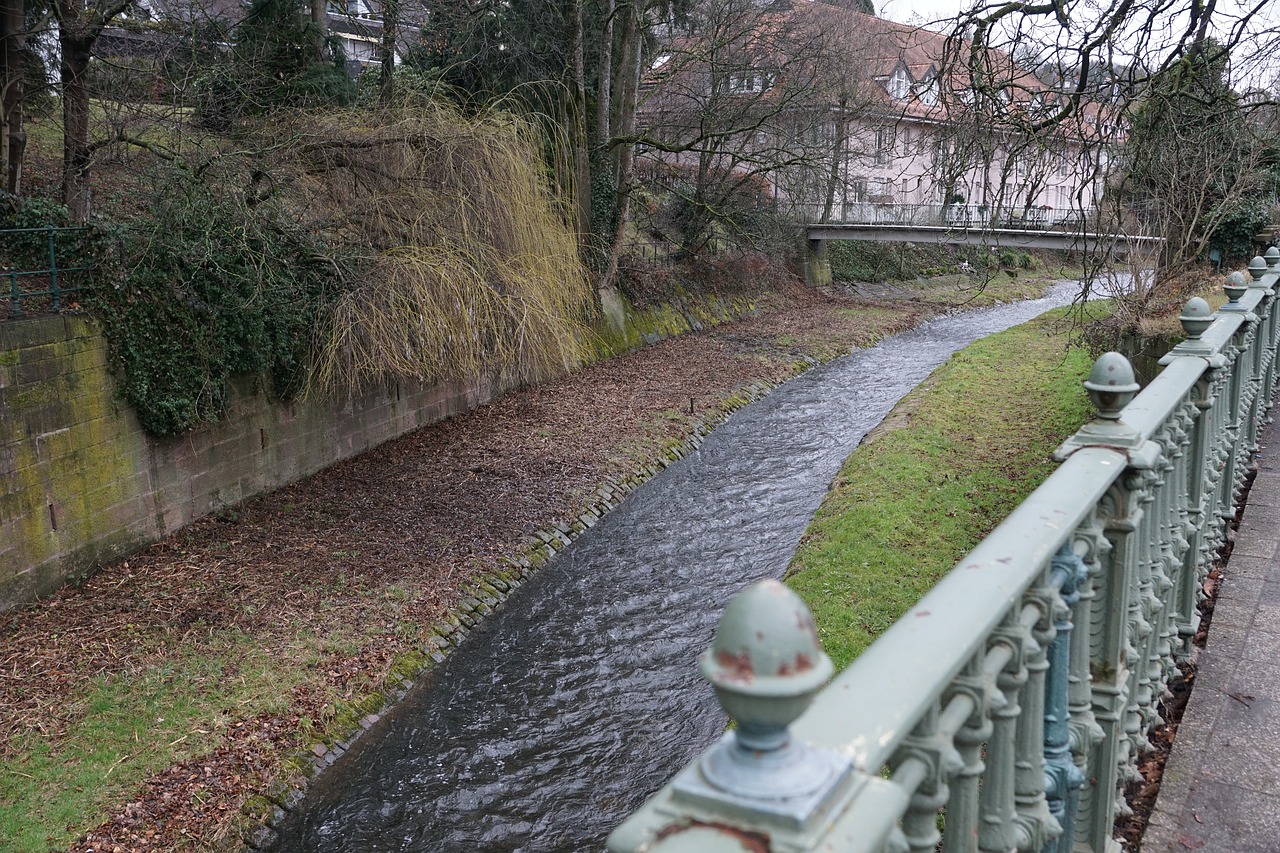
1036 824
997 831
1063 778
963 808
933 749
1087 734
15 309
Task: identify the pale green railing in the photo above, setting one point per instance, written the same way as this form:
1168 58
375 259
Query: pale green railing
1009 707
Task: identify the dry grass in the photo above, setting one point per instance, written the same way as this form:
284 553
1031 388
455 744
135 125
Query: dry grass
469 259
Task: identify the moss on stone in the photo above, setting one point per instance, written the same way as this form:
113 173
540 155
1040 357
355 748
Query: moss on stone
31 396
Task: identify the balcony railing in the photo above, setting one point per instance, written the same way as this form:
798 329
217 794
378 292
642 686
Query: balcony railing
1007 709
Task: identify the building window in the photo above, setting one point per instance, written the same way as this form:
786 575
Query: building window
747 83
928 91
884 146
899 84
356 8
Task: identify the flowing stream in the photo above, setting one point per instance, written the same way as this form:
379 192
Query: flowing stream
580 698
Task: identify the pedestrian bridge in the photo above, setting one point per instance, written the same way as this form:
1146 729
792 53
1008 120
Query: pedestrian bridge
1018 695
1003 238
966 225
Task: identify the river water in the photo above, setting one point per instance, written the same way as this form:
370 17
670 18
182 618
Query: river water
562 714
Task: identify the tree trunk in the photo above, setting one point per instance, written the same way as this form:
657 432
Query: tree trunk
838 149
387 52
624 124
625 90
573 16
75 123
13 136
604 77
320 28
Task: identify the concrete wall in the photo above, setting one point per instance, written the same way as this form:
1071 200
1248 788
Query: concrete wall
81 483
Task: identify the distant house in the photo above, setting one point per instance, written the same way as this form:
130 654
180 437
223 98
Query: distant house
155 27
877 129
924 141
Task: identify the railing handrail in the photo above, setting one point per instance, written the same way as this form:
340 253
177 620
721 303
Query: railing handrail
995 572
45 228
1035 665
990 578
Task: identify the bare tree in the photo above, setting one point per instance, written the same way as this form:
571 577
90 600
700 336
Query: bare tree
1082 73
13 137
738 108
79 26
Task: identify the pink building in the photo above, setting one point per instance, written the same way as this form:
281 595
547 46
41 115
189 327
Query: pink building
849 117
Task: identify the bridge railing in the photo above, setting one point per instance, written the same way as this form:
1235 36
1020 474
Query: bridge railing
952 216
1007 709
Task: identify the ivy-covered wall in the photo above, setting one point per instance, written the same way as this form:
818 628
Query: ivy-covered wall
81 483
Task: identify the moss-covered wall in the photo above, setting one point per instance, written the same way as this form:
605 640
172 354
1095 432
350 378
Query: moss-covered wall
625 328
81 483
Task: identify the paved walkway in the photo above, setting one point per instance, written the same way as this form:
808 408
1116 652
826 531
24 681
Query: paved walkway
1221 787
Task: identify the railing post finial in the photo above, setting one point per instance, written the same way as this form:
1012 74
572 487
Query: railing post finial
1257 267
1196 318
1111 385
1234 286
1272 256
766 666
758 787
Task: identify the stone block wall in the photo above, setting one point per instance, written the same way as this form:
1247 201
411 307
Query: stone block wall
81 483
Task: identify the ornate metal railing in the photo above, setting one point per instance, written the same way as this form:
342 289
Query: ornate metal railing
1008 708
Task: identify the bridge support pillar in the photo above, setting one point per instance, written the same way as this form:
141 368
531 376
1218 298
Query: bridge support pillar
817 266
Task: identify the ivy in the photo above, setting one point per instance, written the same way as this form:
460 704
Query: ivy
1234 234
202 289
857 260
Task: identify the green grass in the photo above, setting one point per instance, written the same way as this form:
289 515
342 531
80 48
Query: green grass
950 462
956 288
123 729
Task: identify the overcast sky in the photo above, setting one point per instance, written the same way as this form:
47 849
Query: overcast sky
917 11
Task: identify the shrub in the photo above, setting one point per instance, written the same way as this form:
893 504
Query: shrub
202 290
853 260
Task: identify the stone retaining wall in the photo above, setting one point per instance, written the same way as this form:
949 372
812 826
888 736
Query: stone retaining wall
81 483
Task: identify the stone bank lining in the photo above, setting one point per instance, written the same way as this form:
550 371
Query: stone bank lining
481 599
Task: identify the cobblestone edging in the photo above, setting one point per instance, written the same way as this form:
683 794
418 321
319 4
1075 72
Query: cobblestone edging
486 595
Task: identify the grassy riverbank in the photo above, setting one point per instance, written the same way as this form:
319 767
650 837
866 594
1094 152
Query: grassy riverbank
954 457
